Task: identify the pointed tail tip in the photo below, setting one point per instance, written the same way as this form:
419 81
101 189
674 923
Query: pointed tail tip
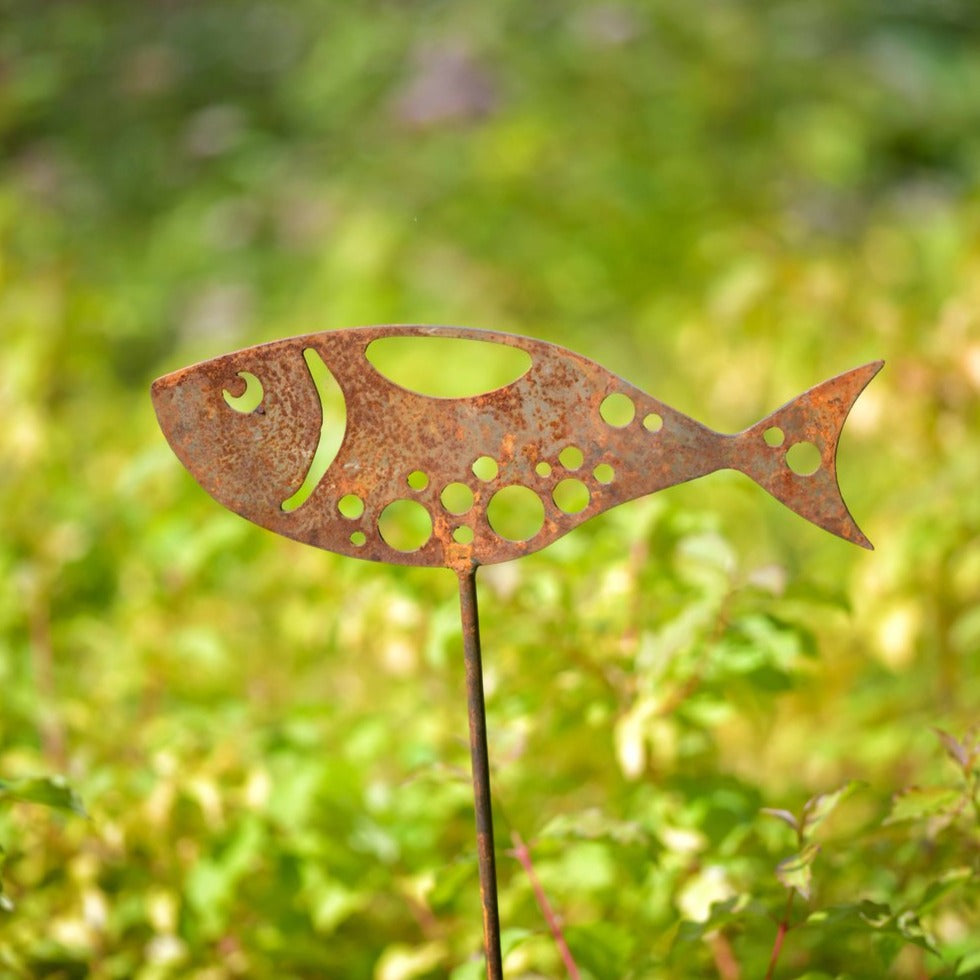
863 541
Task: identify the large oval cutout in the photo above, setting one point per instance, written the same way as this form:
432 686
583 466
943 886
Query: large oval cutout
447 367
332 427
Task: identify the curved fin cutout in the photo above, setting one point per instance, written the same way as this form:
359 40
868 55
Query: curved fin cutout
447 367
333 411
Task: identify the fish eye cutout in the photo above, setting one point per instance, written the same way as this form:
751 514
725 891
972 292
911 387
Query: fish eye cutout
250 399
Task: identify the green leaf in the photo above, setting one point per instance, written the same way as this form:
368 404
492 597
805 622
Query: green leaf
51 791
796 871
878 920
818 808
969 966
602 948
912 931
918 802
947 883
726 913
956 750
852 915
783 815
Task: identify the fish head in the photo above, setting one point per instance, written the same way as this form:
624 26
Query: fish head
246 426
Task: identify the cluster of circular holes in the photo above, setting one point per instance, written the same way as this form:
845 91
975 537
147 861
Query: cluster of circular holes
351 507
572 495
515 512
406 524
619 411
803 458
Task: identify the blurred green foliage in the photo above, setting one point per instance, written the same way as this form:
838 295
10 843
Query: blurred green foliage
725 202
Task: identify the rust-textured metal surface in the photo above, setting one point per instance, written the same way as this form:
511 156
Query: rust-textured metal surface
479 755
252 462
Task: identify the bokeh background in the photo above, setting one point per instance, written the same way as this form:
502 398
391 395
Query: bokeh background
725 202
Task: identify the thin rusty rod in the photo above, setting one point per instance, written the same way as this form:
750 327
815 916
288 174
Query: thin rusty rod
479 756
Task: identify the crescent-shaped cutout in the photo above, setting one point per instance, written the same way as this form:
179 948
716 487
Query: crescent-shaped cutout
250 399
333 424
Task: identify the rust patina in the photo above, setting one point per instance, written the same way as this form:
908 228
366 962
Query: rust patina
254 461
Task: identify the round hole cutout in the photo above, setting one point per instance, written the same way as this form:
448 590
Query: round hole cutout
803 458
543 469
516 513
617 410
350 506
417 480
485 468
457 498
571 496
774 436
604 473
405 525
358 539
653 422
571 457
463 535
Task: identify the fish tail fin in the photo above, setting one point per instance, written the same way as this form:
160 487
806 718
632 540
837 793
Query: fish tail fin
766 452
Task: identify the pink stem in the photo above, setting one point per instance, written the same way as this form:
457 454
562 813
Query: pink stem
777 946
523 855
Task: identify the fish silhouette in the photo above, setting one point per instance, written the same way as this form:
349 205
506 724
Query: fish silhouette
481 479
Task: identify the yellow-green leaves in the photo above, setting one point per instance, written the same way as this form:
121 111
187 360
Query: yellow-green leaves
50 791
796 872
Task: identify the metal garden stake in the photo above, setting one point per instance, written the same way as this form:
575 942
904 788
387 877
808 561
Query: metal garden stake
564 442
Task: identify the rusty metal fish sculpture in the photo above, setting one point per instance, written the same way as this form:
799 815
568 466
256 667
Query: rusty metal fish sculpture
572 436
563 442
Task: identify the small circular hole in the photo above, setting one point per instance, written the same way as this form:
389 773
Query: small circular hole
543 469
773 436
485 468
653 422
604 473
571 457
571 496
463 535
803 458
350 506
358 539
405 525
417 480
457 498
617 410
